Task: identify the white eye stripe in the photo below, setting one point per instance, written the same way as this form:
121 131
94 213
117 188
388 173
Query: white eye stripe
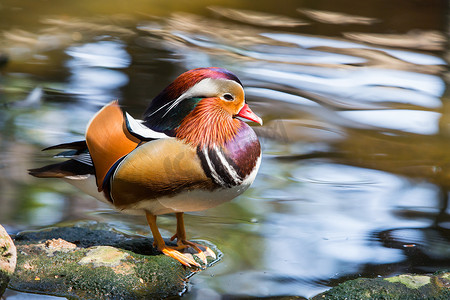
207 87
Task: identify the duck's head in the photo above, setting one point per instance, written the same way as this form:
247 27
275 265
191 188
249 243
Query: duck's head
211 97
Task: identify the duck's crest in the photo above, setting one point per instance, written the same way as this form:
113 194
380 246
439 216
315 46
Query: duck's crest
177 100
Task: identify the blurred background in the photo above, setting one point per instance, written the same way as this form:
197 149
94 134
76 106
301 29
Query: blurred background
356 169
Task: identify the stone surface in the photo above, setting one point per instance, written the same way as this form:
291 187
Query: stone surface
93 263
8 257
104 256
411 281
406 286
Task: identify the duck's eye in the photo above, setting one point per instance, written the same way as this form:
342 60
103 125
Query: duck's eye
228 97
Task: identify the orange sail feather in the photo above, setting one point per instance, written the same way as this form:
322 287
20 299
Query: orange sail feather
108 140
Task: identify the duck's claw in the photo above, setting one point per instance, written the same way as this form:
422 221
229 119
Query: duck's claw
209 252
201 255
201 251
190 256
206 250
184 258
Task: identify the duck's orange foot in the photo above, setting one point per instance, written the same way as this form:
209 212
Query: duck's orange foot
190 248
184 258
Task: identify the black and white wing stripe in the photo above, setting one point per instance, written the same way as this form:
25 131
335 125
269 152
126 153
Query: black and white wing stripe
217 167
140 131
84 158
80 156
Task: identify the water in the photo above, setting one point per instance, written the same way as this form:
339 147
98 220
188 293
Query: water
355 174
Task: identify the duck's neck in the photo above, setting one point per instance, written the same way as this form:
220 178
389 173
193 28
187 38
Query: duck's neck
208 125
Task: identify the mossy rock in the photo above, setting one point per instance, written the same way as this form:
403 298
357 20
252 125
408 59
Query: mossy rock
7 259
406 286
80 262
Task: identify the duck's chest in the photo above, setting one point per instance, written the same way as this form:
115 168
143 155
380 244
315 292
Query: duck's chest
235 163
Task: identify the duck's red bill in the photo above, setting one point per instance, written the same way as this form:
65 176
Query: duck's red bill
247 114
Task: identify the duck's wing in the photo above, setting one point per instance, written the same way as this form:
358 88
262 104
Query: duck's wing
111 135
158 169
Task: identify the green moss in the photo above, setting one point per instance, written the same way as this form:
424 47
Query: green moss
411 281
398 287
95 271
63 275
4 279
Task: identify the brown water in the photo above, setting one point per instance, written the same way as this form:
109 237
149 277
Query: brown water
356 169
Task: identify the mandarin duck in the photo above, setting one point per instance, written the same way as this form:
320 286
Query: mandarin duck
191 152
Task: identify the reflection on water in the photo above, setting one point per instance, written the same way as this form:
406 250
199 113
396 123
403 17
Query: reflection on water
355 176
95 69
336 18
422 122
257 18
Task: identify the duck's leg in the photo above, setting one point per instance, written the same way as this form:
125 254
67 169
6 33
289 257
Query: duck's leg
161 245
201 250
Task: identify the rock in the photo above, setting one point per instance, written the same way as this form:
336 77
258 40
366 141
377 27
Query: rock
406 286
104 256
91 263
8 257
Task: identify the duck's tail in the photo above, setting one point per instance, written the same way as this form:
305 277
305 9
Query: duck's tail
78 165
